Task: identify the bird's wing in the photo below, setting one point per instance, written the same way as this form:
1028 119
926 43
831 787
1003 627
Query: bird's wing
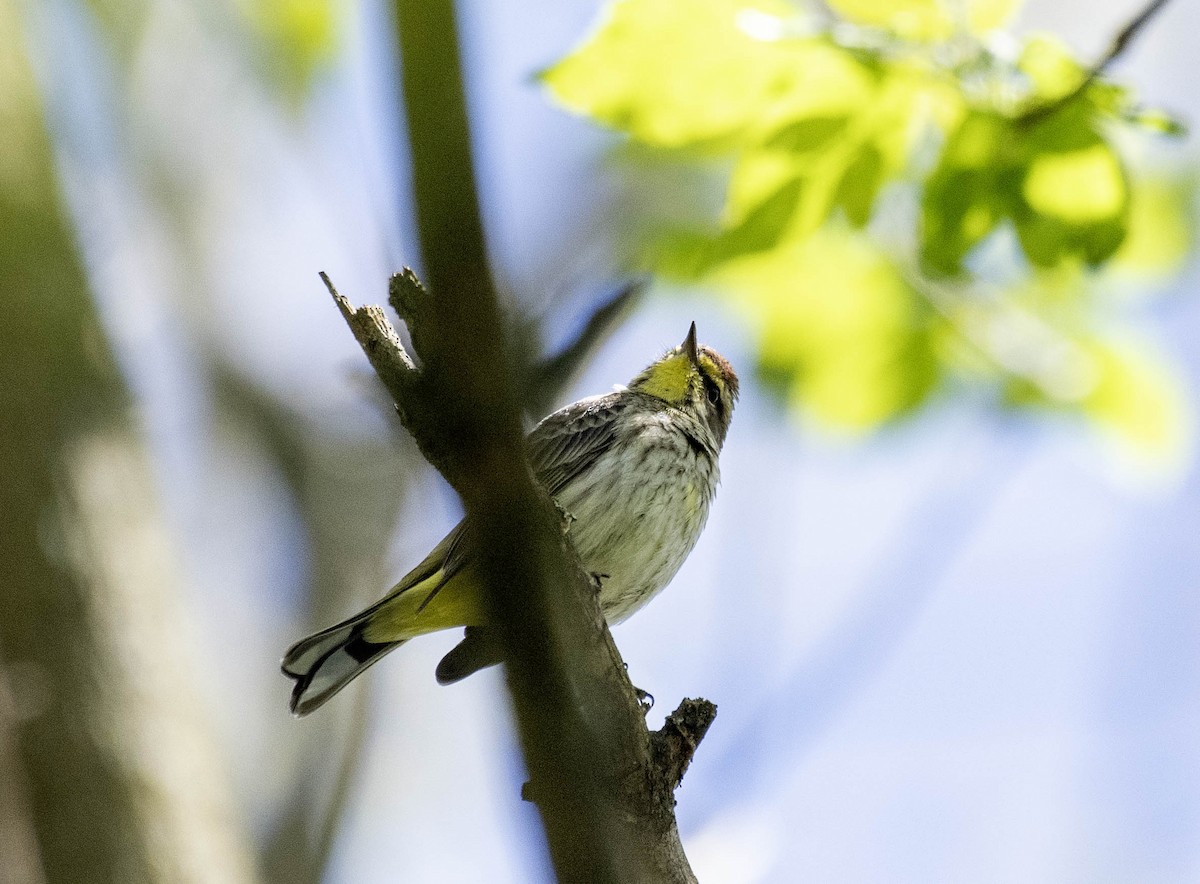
560 447
444 561
568 441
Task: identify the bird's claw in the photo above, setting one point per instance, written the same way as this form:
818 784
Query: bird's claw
645 700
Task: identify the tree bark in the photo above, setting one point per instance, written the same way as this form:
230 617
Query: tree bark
603 782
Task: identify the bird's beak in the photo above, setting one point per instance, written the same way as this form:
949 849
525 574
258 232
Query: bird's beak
691 348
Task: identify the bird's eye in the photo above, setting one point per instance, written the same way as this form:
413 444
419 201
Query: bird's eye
710 389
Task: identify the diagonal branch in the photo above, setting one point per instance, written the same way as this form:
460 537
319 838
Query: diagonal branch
603 782
552 376
379 341
1119 44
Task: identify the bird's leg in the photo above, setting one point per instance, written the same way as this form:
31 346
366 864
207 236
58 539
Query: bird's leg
645 698
598 581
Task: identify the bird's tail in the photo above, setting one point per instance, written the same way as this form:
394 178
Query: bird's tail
327 661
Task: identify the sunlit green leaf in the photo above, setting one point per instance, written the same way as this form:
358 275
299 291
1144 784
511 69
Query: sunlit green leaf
1045 353
674 75
786 185
762 228
1012 163
1155 120
1078 186
1074 197
842 333
968 194
859 186
1161 227
927 19
1122 387
806 134
1052 70
1059 183
1137 399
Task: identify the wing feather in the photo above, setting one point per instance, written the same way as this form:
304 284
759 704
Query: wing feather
564 444
560 448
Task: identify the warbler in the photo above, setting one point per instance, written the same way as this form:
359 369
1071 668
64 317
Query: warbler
634 471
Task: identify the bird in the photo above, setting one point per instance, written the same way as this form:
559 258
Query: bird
634 471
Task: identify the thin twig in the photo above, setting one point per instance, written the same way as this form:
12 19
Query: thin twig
554 374
1119 44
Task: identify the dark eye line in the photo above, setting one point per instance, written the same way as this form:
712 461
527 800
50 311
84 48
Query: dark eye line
710 388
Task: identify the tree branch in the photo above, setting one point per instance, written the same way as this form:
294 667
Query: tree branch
553 375
1119 44
604 785
603 782
675 743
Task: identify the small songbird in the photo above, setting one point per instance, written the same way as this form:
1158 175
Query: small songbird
634 470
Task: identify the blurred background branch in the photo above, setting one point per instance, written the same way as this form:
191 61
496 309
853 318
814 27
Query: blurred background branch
1120 43
553 376
123 777
579 720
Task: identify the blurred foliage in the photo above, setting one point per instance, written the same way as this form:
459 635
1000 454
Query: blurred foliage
289 41
911 204
294 40
84 790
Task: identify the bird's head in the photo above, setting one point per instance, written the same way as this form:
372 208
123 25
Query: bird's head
694 378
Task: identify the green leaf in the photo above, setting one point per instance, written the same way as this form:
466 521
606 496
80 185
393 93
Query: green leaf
843 336
1161 228
807 134
927 19
764 226
710 74
814 130
1053 72
968 193
1137 399
1074 197
1050 67
1078 186
1058 181
674 75
860 185
827 161
1155 120
1042 346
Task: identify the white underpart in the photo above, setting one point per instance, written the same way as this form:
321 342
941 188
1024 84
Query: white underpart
639 512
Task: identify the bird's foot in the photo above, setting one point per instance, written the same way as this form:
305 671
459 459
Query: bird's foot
645 699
